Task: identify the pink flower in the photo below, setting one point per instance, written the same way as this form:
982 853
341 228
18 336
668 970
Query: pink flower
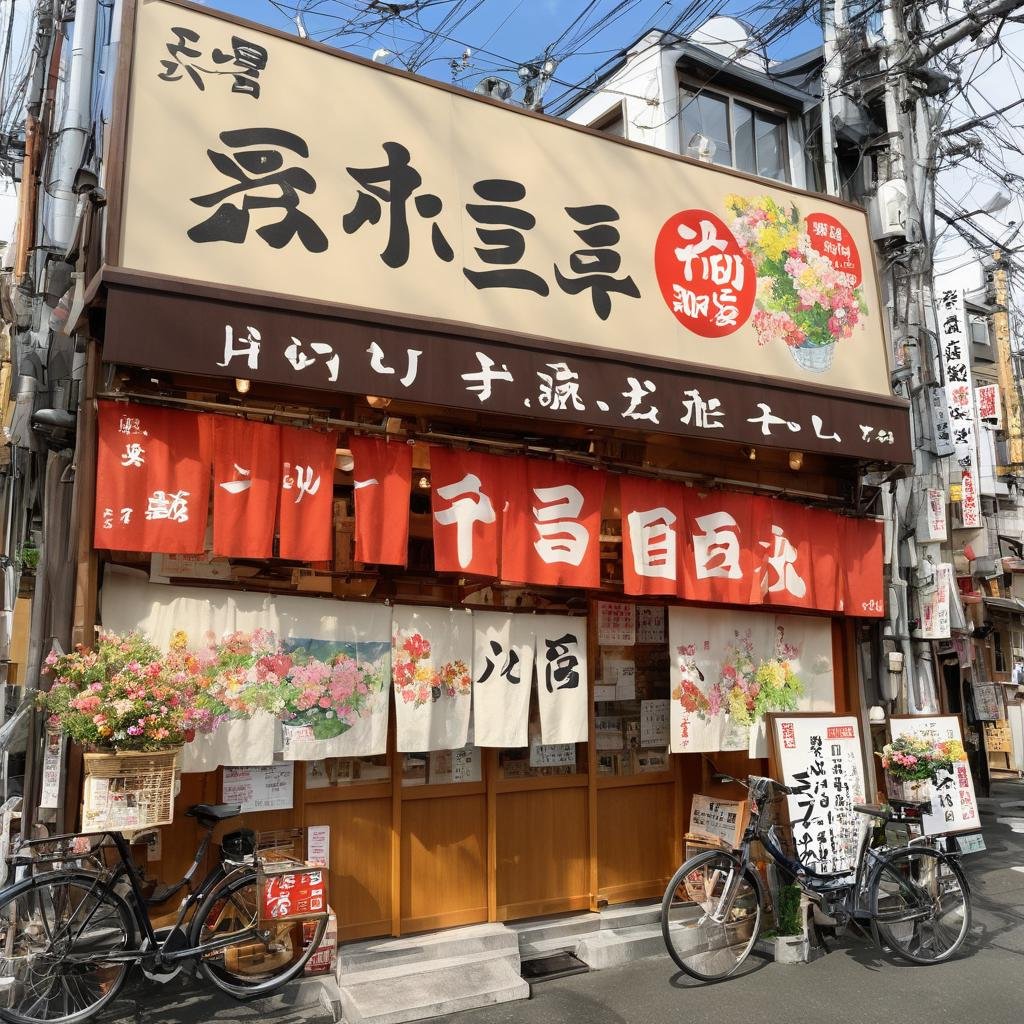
408 696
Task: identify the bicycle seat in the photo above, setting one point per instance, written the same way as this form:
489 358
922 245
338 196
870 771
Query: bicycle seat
210 814
873 810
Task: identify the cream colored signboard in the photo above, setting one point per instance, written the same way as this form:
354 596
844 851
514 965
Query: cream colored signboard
261 162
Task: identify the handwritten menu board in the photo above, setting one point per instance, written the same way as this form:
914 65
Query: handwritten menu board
650 624
616 623
987 705
821 758
997 737
954 806
267 788
718 819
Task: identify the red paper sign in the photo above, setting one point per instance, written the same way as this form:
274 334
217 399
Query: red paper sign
706 278
840 732
297 894
467 498
552 526
246 462
383 481
306 496
152 479
832 239
652 522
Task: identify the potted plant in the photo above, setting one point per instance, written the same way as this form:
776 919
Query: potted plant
911 765
790 935
118 700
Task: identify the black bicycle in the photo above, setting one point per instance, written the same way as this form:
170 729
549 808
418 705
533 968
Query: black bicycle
914 899
74 924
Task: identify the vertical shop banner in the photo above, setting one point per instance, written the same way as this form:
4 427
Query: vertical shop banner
560 661
955 352
382 477
152 479
431 654
863 583
721 556
652 522
552 527
798 549
804 643
820 758
246 462
954 804
503 652
467 496
989 408
306 517
714 657
936 513
935 620
341 665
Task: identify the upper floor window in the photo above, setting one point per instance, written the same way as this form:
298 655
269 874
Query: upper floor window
745 136
612 123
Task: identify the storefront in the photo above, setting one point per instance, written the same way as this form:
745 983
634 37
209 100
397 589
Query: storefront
540 468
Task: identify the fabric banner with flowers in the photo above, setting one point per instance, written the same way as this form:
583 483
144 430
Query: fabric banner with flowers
431 654
503 648
560 664
729 669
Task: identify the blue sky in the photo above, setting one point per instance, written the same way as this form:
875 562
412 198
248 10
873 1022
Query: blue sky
504 33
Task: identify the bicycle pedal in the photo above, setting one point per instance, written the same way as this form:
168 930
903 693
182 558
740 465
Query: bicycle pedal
162 977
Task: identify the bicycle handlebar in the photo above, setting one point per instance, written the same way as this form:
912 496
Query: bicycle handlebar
722 778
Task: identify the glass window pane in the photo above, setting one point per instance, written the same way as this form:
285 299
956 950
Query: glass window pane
708 114
770 135
743 137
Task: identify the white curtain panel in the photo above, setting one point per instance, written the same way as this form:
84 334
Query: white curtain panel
503 649
321 627
703 643
431 659
560 661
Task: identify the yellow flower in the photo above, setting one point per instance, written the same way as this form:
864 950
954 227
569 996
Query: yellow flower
424 673
738 204
179 640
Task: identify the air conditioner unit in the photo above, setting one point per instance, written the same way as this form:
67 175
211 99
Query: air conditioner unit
887 211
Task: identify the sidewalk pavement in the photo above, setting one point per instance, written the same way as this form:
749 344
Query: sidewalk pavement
853 984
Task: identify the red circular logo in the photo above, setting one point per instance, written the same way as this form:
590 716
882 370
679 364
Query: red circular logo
833 241
706 278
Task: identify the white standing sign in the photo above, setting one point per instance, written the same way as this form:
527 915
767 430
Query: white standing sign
954 805
318 845
821 758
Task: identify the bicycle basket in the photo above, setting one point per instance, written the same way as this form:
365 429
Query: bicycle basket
290 891
128 791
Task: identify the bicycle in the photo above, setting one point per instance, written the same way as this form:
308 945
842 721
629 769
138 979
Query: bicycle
915 898
69 936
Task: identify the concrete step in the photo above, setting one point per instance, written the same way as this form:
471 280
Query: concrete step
408 991
540 929
556 944
612 947
376 953
629 915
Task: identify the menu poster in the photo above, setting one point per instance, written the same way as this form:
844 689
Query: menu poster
318 845
616 623
622 675
820 757
654 716
267 788
718 819
53 768
987 706
650 624
608 733
551 755
997 737
954 806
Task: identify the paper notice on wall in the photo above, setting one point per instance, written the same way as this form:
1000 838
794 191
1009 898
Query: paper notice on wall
608 733
53 769
622 675
267 788
936 513
616 623
654 715
318 845
603 692
551 755
650 624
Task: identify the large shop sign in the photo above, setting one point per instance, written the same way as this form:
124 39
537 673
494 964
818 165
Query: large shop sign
423 200
522 520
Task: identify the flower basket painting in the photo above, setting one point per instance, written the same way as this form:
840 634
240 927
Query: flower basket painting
808 296
431 651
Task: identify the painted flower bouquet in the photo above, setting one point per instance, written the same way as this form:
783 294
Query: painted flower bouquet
802 299
328 696
418 682
118 696
693 698
910 759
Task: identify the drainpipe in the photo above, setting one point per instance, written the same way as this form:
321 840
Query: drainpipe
76 125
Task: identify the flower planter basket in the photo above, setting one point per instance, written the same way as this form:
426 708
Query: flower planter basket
816 358
913 791
128 791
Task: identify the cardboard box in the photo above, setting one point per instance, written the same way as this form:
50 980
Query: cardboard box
325 959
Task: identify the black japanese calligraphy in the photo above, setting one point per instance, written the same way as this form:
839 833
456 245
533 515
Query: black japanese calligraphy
503 241
247 60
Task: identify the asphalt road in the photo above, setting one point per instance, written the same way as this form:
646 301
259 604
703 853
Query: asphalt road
853 983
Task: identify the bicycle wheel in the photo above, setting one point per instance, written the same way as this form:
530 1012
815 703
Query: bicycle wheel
921 905
263 955
60 934
711 915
